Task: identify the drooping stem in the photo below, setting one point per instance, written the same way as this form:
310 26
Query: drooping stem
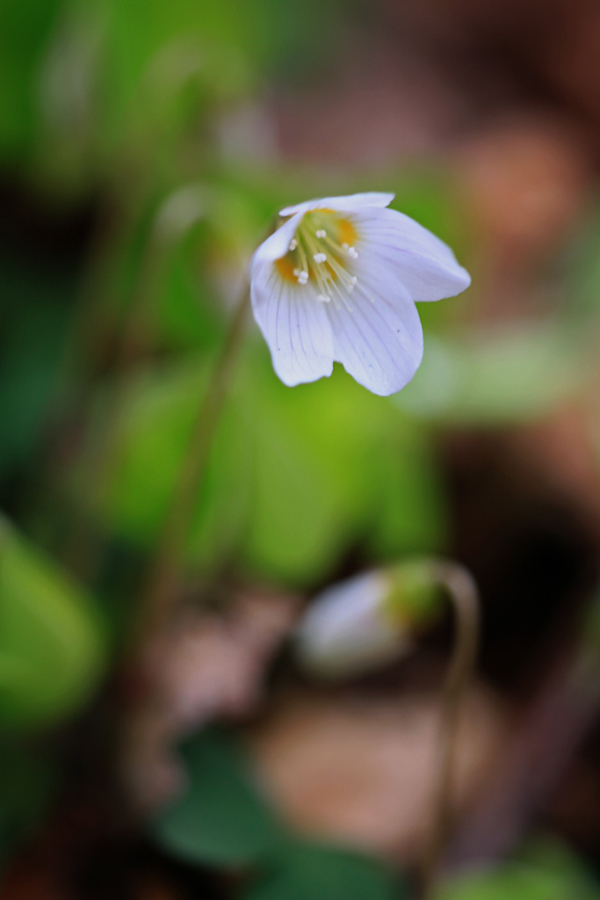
160 590
462 591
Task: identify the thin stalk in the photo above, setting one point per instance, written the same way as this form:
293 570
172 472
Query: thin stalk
84 542
463 594
160 592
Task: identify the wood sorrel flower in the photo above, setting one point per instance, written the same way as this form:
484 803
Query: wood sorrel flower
338 281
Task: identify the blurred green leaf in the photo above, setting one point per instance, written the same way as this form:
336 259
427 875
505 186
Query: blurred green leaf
336 465
333 465
26 786
220 818
411 515
172 62
584 289
296 477
313 872
25 28
496 378
547 870
52 648
33 315
147 448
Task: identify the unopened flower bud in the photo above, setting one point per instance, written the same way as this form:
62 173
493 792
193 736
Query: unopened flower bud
366 621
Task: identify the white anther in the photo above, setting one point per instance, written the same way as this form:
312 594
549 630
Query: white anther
320 257
321 233
345 247
293 244
323 298
353 279
296 272
352 252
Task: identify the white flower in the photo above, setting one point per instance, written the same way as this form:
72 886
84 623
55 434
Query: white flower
348 629
338 281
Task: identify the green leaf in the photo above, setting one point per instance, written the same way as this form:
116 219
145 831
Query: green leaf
313 872
546 870
25 27
26 787
335 465
497 378
33 320
52 647
220 818
411 514
296 477
149 445
519 882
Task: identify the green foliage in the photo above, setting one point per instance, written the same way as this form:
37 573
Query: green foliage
87 85
25 28
52 648
496 379
585 268
317 872
296 477
335 464
546 871
220 819
150 440
34 318
26 787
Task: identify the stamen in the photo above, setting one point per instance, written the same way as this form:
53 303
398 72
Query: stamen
327 272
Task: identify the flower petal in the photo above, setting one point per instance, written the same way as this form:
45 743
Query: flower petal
377 336
349 203
294 324
425 265
277 244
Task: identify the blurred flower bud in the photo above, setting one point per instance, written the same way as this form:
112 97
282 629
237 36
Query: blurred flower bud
368 620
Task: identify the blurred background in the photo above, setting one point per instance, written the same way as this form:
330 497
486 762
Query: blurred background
144 150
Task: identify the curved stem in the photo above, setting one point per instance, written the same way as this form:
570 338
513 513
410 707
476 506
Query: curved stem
463 593
160 591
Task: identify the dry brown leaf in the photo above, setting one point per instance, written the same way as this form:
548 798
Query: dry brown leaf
361 771
209 665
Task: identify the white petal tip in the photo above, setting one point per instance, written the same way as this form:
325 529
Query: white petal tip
305 378
348 203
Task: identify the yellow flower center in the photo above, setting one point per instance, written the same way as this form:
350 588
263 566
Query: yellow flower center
321 252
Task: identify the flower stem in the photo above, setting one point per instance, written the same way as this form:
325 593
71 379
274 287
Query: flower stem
463 594
160 591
